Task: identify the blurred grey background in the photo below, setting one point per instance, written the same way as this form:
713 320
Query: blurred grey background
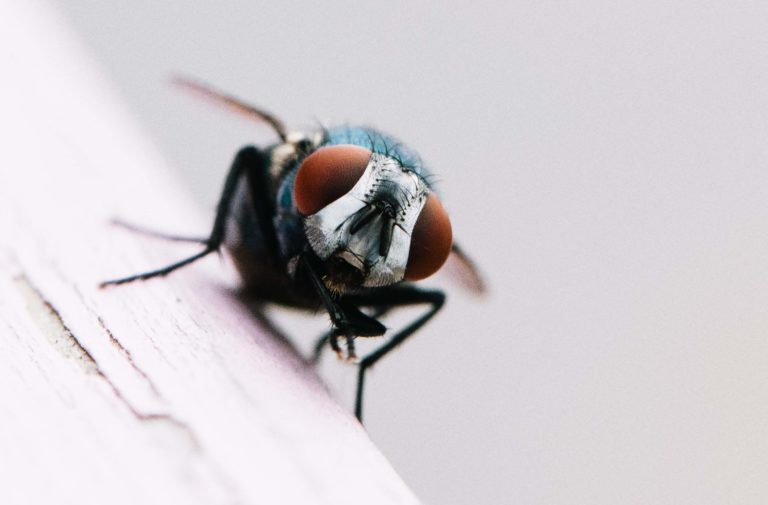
606 165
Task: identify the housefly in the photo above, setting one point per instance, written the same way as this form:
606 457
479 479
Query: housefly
342 218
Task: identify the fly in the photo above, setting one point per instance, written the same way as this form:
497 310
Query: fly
343 218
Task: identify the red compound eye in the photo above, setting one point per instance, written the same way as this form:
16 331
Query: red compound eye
327 175
431 241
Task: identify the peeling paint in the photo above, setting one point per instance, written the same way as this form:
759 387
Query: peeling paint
55 331
52 326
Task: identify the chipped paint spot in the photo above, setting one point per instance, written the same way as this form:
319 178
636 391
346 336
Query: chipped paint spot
52 326
55 331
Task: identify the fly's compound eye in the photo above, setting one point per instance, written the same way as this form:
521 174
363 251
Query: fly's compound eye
327 175
431 241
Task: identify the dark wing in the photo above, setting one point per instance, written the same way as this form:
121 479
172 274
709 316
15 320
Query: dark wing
463 269
231 103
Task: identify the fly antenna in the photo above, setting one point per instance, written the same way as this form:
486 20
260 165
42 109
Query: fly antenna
232 103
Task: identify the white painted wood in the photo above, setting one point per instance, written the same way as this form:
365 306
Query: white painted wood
162 392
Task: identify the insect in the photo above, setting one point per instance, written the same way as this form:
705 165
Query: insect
341 218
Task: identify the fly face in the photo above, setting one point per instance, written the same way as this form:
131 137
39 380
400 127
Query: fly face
370 227
362 209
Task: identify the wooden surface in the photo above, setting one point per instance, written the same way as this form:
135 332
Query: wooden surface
163 392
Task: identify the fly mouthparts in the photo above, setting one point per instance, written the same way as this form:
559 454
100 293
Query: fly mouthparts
351 258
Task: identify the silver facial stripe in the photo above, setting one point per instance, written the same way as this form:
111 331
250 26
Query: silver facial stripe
383 182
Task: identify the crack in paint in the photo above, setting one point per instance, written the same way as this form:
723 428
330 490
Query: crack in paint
128 356
58 334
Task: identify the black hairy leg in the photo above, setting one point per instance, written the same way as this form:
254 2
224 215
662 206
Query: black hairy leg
249 162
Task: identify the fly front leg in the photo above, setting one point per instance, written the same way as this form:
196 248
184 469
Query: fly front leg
348 321
394 297
328 337
250 162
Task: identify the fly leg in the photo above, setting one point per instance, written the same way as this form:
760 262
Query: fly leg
249 161
324 339
157 234
388 299
348 321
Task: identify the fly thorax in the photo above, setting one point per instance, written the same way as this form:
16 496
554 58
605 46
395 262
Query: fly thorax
285 154
369 228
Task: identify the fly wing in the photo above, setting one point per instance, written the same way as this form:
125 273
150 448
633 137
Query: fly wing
230 102
464 271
